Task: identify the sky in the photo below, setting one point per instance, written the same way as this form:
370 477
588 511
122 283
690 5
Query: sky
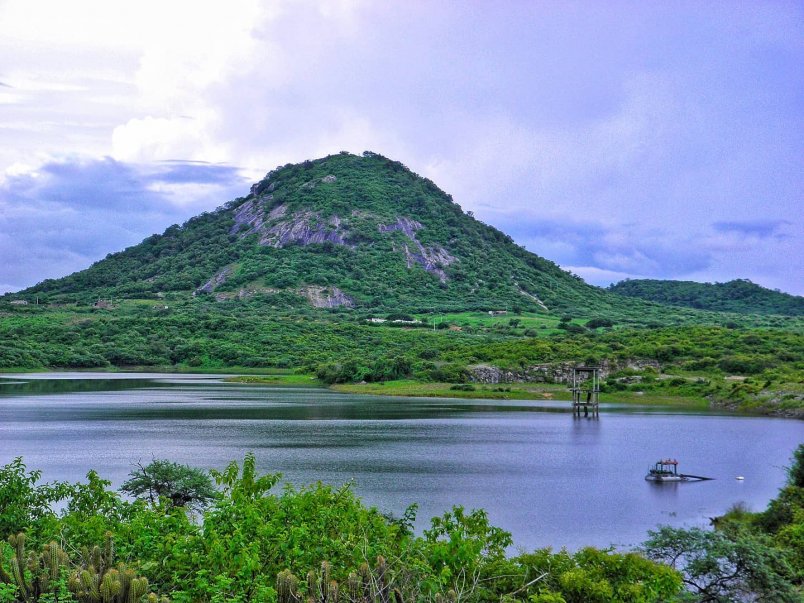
618 139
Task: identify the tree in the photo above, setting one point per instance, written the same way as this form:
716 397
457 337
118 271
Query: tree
23 503
718 567
182 485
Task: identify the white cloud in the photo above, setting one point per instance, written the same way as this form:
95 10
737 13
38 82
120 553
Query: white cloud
628 130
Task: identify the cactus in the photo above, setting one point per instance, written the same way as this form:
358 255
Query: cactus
137 588
287 587
96 559
329 588
98 581
355 586
5 577
34 575
108 550
117 585
56 557
18 574
110 586
95 580
366 585
381 578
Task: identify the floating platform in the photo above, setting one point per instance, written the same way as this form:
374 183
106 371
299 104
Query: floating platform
666 470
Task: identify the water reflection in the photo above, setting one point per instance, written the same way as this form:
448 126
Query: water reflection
549 478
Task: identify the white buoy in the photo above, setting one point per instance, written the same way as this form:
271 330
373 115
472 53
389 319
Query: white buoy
740 478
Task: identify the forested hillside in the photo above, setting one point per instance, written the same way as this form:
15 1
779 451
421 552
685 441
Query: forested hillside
739 295
345 230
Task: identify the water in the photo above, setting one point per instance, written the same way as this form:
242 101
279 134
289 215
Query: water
548 478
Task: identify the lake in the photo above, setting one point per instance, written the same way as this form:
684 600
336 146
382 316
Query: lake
547 477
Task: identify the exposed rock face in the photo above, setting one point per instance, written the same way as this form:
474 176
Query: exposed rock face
303 228
327 297
277 230
559 372
248 218
432 259
531 296
217 280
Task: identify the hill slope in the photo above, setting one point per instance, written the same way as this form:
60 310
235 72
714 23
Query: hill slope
741 296
345 230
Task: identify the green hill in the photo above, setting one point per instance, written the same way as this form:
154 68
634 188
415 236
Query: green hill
740 296
345 230
353 268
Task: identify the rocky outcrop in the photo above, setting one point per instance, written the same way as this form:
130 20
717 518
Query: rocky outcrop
432 259
557 372
248 218
531 297
216 281
304 228
277 229
327 297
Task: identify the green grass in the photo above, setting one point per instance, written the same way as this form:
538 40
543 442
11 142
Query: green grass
512 391
285 380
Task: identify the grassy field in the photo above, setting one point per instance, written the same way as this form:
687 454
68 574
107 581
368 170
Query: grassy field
511 391
283 380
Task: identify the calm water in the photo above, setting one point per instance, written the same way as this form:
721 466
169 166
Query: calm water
548 478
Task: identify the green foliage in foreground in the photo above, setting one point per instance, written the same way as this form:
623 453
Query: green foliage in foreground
321 544
315 543
52 576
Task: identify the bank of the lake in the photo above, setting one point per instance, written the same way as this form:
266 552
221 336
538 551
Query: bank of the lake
787 405
504 391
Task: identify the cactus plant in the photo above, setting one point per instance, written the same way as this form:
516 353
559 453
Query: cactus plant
367 585
287 587
33 575
96 580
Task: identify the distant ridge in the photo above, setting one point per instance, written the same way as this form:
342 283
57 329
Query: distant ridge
741 296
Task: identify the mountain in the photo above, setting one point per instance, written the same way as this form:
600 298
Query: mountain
344 230
740 296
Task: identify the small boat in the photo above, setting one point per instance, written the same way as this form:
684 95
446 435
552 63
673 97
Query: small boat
666 470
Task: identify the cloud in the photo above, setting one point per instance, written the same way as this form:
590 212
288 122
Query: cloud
762 229
623 138
598 248
70 213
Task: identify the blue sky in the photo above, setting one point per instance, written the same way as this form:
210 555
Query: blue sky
619 139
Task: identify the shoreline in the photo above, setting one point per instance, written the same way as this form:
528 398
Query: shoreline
423 389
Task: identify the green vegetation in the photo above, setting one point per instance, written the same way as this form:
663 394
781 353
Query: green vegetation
319 543
748 368
180 485
739 295
433 294
389 239
315 543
